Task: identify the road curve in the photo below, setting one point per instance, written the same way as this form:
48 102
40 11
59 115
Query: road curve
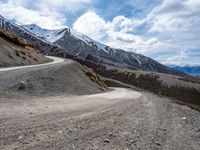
121 119
55 60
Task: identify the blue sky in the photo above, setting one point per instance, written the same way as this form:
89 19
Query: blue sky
166 30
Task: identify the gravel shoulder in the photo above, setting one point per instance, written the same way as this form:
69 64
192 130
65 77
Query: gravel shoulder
119 119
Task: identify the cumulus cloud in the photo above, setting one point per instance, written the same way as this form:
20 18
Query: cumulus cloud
175 16
22 15
167 30
170 30
92 25
45 13
177 22
118 33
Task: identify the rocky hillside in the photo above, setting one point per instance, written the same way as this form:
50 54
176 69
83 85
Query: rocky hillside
15 51
67 42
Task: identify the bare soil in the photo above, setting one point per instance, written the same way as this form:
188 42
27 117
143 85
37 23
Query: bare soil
120 119
59 110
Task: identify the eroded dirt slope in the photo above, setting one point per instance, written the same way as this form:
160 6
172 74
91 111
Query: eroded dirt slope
15 51
64 77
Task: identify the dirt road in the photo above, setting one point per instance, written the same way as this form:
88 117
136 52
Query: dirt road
120 119
55 60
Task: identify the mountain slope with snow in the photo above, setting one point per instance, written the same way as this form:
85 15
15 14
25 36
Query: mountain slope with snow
65 42
87 48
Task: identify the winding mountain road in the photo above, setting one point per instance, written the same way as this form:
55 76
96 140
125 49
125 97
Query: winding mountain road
55 60
122 119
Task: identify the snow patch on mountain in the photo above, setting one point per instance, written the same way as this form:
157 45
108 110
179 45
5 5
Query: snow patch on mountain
88 40
69 41
55 35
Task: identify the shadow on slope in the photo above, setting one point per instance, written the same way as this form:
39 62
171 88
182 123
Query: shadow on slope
66 78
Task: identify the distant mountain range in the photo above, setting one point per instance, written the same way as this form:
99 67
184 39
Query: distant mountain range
66 41
191 70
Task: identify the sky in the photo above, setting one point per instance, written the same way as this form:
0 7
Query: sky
165 30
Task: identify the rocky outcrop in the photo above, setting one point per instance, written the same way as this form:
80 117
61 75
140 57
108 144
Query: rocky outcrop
95 78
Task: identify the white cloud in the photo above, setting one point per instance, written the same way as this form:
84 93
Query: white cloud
176 16
182 58
177 22
118 33
23 15
45 13
92 25
65 5
172 29
169 33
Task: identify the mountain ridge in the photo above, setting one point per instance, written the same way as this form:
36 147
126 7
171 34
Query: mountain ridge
67 34
69 44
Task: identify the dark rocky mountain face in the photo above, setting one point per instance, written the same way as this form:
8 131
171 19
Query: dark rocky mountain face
114 57
86 48
66 42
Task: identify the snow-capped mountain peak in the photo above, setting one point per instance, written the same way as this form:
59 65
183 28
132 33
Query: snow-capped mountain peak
55 35
68 43
37 30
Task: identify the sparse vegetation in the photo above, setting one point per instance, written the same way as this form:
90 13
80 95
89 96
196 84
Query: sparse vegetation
16 51
95 78
14 39
151 82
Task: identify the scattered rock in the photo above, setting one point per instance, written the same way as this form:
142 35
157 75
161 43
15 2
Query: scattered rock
60 132
20 137
157 143
106 141
132 141
184 118
198 130
76 139
110 134
22 85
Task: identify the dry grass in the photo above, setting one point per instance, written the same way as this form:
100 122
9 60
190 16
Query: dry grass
14 39
95 78
152 82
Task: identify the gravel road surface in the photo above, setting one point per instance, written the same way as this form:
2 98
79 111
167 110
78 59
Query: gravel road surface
121 119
